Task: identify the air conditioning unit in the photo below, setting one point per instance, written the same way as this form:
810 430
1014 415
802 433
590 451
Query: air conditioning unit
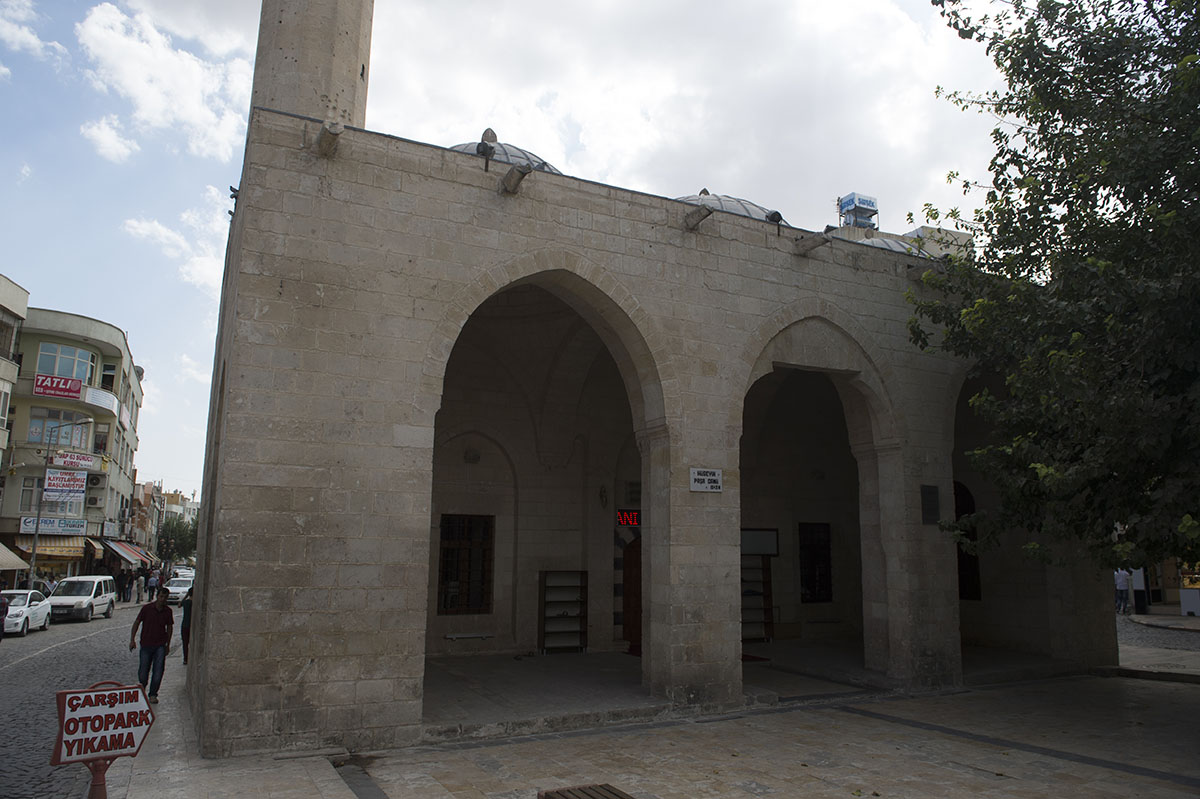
95 480
93 502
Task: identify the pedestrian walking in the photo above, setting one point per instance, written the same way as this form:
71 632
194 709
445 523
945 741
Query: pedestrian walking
1121 579
157 623
185 624
141 587
152 584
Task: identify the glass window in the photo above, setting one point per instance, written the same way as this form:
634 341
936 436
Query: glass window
54 427
63 360
100 441
9 325
31 487
108 377
28 491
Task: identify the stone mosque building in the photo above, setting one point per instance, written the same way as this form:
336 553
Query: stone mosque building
464 404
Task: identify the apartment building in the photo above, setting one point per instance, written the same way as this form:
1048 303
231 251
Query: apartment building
72 418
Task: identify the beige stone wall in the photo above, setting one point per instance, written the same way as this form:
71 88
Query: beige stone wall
345 403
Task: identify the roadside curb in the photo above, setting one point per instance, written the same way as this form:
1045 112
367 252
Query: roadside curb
1166 624
1146 674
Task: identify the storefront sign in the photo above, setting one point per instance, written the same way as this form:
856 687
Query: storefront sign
629 518
706 480
75 460
51 386
53 526
64 486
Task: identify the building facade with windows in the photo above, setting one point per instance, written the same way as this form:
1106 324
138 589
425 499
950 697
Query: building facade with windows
73 418
465 405
181 506
149 513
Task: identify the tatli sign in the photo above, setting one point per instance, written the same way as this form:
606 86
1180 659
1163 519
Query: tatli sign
100 724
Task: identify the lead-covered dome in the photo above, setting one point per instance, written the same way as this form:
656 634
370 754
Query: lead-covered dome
505 153
734 205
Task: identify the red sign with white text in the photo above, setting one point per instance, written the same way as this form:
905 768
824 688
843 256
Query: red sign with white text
101 723
51 386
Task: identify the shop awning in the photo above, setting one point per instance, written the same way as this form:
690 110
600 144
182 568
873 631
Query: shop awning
143 554
95 545
10 559
53 546
125 551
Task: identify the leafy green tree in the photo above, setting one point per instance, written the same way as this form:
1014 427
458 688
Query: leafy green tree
1081 294
177 539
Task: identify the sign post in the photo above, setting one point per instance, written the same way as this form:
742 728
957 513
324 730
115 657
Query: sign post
99 724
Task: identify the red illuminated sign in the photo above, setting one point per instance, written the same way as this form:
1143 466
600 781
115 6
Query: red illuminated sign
628 518
51 386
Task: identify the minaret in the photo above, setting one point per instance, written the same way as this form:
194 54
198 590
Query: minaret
314 57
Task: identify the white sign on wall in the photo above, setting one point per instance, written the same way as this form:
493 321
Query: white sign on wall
706 480
63 485
76 460
53 526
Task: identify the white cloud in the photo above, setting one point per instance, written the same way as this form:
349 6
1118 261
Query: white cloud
170 88
224 27
24 173
5 72
201 249
107 139
786 104
192 370
17 33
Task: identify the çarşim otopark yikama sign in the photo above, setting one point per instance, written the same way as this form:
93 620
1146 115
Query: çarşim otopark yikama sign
98 725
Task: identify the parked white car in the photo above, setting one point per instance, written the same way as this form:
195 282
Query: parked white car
83 597
26 610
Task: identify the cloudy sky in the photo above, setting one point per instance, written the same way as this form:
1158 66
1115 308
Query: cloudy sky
125 123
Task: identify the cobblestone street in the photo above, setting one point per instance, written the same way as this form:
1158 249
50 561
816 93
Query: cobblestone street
70 655
1130 633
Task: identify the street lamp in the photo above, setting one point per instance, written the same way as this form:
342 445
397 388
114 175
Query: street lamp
37 524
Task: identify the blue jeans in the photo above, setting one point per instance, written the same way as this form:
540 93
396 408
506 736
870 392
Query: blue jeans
152 657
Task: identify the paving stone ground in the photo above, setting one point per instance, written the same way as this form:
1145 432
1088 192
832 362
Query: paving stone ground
1075 736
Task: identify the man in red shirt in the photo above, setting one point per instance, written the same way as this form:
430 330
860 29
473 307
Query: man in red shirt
157 624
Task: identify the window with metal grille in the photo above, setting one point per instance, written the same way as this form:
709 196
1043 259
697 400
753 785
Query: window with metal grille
465 564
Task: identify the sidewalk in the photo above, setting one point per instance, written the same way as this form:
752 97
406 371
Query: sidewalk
1097 736
1167 616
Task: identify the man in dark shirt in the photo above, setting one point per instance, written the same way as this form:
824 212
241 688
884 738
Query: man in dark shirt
157 624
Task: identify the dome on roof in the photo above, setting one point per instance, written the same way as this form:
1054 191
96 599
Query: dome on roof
507 153
734 205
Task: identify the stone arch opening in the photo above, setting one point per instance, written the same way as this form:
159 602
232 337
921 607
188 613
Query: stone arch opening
548 386
817 432
1002 593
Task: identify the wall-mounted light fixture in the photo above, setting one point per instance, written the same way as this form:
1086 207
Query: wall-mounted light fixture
486 147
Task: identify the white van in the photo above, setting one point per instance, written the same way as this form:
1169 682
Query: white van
83 597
